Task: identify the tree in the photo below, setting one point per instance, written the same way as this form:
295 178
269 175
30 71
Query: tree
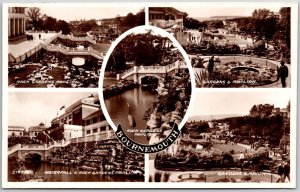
255 13
202 127
191 23
288 107
259 48
117 60
217 24
140 18
86 26
33 15
129 21
50 24
261 13
63 26
285 25
118 23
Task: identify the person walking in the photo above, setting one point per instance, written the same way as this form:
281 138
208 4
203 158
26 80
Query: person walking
283 73
210 66
280 173
113 154
286 172
241 160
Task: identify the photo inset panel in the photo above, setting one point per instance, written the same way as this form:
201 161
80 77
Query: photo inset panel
237 47
64 137
238 137
63 46
147 85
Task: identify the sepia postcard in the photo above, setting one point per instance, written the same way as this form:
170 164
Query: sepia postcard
149 95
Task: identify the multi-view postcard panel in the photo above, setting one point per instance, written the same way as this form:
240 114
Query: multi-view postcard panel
56 47
232 47
77 146
156 92
133 103
245 140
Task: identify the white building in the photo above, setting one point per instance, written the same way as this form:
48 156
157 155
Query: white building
72 131
82 121
166 17
33 131
16 131
16 23
95 127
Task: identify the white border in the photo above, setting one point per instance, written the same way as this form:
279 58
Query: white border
292 91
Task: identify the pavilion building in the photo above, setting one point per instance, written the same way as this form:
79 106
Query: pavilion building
16 23
82 120
166 17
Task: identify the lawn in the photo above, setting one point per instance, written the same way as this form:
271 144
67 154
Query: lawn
226 148
101 47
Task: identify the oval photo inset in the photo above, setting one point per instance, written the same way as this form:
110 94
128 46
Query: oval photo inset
147 86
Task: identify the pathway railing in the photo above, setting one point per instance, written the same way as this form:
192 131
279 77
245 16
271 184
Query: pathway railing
27 54
72 38
73 51
153 69
41 147
60 35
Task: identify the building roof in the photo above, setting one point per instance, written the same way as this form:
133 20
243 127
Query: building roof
165 10
15 128
283 110
55 119
36 129
92 100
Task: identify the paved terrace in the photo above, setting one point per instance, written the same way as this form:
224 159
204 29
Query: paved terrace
17 50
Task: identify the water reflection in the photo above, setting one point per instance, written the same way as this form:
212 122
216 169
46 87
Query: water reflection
139 100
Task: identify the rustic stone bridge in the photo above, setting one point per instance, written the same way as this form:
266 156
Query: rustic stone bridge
137 73
43 150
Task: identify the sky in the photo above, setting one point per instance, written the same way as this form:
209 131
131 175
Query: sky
78 13
31 108
238 103
222 11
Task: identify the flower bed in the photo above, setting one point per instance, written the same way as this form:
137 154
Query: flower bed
238 72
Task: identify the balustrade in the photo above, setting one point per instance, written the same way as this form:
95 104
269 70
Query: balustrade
69 51
72 38
153 69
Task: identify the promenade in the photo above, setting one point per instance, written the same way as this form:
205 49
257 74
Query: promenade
20 48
